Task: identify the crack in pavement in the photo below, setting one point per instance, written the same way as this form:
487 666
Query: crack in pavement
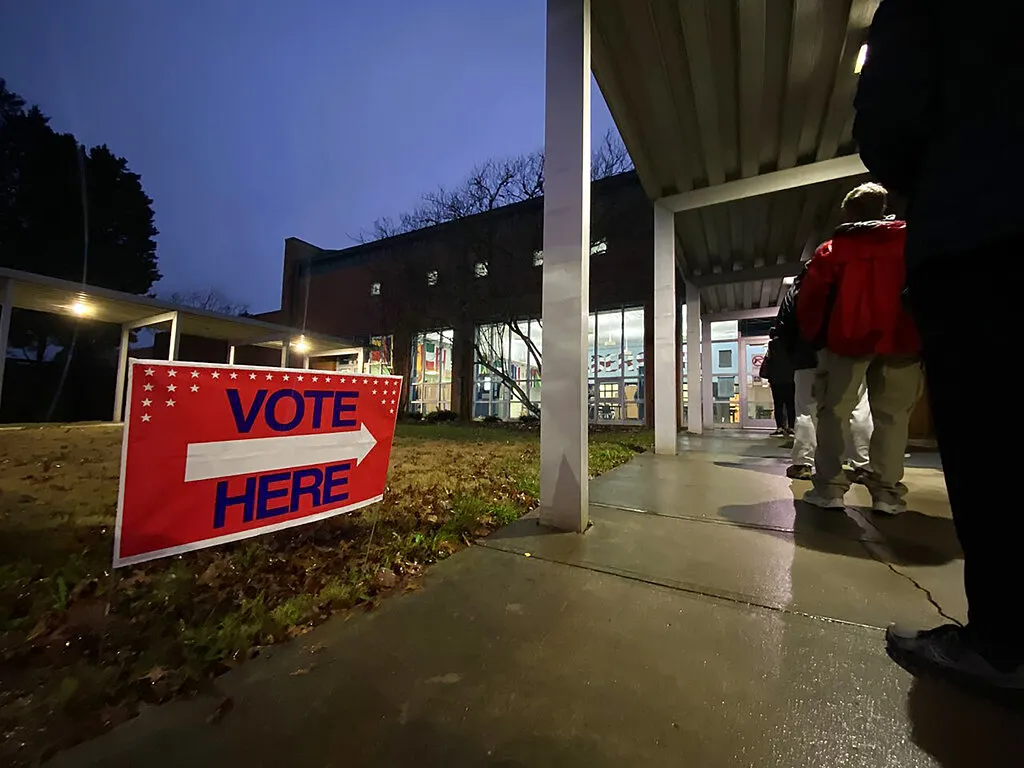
920 587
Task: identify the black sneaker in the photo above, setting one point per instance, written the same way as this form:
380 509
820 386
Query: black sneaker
779 433
800 471
949 652
858 475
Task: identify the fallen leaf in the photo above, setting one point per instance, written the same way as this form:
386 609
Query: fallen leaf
155 675
301 671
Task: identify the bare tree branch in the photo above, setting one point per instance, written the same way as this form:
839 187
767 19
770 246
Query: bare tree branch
210 300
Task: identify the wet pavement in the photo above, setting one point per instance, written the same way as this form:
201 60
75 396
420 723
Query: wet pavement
704 620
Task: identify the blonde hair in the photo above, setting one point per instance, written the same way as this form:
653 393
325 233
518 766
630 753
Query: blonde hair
866 202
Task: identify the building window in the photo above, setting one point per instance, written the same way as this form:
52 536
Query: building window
381 359
480 269
430 378
506 377
725 358
617 384
538 258
432 277
599 246
375 289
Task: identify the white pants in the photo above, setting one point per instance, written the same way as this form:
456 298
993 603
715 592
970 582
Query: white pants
858 437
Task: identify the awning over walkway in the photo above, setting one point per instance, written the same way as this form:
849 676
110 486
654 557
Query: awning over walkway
26 290
712 92
738 115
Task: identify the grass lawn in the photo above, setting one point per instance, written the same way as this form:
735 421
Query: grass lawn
82 647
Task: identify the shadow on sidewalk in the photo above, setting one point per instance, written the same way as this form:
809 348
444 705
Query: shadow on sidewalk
910 539
963 731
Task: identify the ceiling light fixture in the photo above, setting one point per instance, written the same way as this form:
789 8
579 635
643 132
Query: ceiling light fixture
301 345
80 308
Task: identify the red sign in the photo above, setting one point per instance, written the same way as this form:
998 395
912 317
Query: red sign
217 453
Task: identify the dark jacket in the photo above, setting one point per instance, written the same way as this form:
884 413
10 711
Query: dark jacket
777 367
852 293
940 120
802 355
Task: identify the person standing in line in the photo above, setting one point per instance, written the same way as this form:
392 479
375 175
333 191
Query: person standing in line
805 363
938 120
777 369
851 303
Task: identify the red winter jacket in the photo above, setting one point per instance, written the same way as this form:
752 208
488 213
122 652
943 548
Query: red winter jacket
851 299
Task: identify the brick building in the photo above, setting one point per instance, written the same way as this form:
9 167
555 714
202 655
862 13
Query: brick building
455 307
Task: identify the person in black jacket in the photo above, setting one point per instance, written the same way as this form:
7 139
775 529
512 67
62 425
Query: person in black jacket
939 120
778 371
804 359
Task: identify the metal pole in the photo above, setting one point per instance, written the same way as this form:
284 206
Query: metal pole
665 430
564 495
5 326
122 370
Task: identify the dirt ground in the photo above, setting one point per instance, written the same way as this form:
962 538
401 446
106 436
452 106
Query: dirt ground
82 647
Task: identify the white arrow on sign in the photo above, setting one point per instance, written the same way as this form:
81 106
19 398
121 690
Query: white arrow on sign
226 458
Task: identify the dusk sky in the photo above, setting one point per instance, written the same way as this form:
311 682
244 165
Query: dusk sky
255 121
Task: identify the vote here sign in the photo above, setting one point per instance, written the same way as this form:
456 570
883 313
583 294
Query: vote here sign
217 453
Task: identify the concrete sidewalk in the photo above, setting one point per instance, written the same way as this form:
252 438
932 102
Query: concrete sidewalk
705 620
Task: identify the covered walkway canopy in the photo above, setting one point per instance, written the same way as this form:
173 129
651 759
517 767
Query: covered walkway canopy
26 290
738 116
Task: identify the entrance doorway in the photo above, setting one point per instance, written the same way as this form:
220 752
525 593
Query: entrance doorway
757 410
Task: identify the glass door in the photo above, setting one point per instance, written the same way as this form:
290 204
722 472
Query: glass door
757 410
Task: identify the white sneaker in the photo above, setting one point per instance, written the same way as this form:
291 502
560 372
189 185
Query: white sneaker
890 508
816 499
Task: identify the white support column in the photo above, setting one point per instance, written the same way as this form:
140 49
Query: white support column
564 495
305 362
231 354
7 297
122 370
706 390
360 359
665 388
172 344
284 353
695 388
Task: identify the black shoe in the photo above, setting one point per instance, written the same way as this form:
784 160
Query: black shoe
779 433
790 433
800 472
949 652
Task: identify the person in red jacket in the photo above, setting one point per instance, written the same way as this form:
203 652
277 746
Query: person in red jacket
851 306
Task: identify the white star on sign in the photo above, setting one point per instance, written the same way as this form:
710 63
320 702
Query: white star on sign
194 387
171 387
172 373
195 374
392 402
170 403
375 391
269 377
342 380
234 375
252 377
215 374
148 387
327 379
384 402
149 371
146 403
145 417
392 410
286 377
299 378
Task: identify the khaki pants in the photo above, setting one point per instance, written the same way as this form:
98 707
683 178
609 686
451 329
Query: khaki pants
894 387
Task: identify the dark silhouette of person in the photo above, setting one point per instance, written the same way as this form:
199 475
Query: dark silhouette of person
777 369
939 120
